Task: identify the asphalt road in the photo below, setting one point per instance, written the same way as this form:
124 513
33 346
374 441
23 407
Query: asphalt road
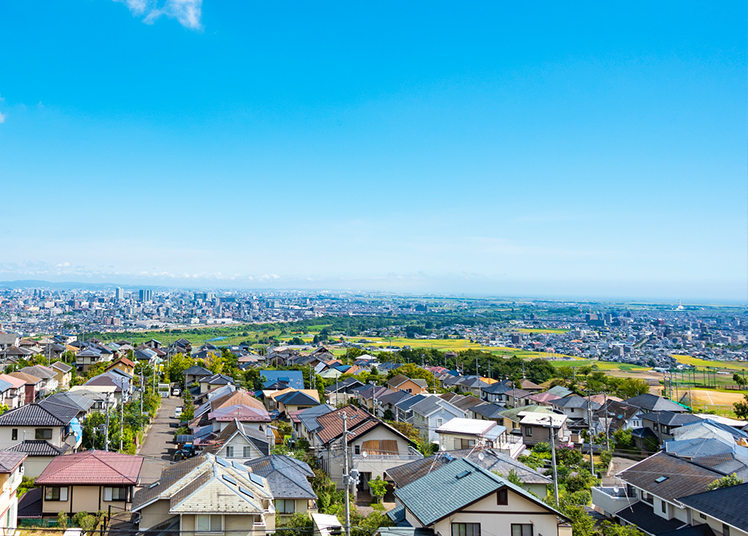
158 447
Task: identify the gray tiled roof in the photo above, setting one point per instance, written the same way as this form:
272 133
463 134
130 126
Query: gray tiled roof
286 476
650 402
726 504
9 460
32 415
643 517
39 447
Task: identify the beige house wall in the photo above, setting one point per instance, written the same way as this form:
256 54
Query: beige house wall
28 433
153 514
35 465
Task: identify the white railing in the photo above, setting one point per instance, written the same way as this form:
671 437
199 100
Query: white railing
609 501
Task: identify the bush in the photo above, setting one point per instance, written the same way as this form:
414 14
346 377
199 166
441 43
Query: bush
606 456
62 520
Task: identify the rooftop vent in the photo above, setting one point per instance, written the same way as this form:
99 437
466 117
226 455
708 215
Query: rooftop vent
661 479
462 475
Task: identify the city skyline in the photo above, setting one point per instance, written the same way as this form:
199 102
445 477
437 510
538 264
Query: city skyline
489 149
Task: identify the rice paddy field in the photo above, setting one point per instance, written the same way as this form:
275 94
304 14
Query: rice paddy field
735 366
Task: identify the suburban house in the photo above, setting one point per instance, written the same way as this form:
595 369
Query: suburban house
208 383
614 415
488 411
654 492
13 391
294 401
31 383
194 373
281 379
403 383
49 381
270 397
369 395
461 498
239 442
63 374
387 403
489 459
649 402
723 510
373 446
405 408
531 424
340 392
460 434
663 423
305 423
43 431
11 474
287 478
431 413
87 481
206 494
123 364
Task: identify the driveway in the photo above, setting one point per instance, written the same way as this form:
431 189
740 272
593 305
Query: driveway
158 447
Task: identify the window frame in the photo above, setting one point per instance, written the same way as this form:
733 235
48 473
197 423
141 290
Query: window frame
110 490
502 497
246 451
283 507
528 431
14 434
229 451
50 497
521 529
465 531
43 430
211 518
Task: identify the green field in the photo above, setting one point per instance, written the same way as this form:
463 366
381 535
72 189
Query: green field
527 330
602 365
735 366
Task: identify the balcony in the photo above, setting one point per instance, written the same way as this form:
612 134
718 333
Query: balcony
609 501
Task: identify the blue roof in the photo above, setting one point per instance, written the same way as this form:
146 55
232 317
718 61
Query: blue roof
294 378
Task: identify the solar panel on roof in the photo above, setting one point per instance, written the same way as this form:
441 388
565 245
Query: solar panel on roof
245 491
222 461
228 479
256 479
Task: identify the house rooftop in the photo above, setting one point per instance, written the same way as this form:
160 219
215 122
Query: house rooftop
726 504
93 467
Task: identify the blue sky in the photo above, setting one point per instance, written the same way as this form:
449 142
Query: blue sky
508 148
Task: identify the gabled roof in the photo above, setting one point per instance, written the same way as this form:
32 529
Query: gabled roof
196 370
235 398
308 417
669 418
488 410
496 388
682 477
451 488
297 398
26 377
406 403
396 380
492 460
40 371
10 460
559 390
37 414
576 402
241 412
650 402
291 378
726 504
93 467
257 439
431 404
393 397
286 476
62 367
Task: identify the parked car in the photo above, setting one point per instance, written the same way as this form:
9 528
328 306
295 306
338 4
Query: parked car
178 412
176 391
187 451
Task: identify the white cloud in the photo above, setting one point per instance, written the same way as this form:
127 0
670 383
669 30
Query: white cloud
187 12
2 118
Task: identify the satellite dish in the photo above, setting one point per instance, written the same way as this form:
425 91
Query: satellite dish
481 456
615 490
365 454
443 447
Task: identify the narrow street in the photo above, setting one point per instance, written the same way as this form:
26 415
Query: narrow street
158 447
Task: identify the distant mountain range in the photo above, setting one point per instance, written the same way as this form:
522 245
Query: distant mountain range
71 285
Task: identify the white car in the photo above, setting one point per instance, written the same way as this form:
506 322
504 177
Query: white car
178 412
176 392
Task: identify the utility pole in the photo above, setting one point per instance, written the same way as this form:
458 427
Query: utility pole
589 431
607 425
346 476
553 459
106 431
141 391
121 419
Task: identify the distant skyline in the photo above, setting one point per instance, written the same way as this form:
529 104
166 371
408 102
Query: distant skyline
585 150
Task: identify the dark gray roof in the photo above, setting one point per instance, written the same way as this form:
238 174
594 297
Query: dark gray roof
393 397
650 402
489 411
642 516
286 476
702 446
297 398
37 415
406 403
309 416
681 476
196 370
574 401
670 418
726 504
9 460
39 447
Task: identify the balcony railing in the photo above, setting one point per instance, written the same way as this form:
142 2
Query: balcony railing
609 501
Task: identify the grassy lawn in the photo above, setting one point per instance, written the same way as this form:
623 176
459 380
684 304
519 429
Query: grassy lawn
602 365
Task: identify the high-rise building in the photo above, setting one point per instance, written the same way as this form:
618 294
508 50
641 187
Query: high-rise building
119 294
145 295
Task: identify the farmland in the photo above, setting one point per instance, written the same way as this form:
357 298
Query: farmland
734 366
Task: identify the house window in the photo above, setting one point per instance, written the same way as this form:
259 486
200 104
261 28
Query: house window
465 529
467 443
14 434
206 523
229 452
664 507
439 422
502 497
43 433
56 493
247 451
357 449
521 530
285 506
725 530
528 431
655 427
115 494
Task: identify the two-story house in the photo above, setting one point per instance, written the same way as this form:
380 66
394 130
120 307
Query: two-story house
403 383
63 374
288 479
48 376
431 413
11 474
206 494
12 391
463 499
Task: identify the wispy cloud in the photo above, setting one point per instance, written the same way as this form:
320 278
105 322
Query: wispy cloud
2 117
187 12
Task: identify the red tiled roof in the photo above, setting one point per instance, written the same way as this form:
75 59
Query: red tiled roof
236 398
92 467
